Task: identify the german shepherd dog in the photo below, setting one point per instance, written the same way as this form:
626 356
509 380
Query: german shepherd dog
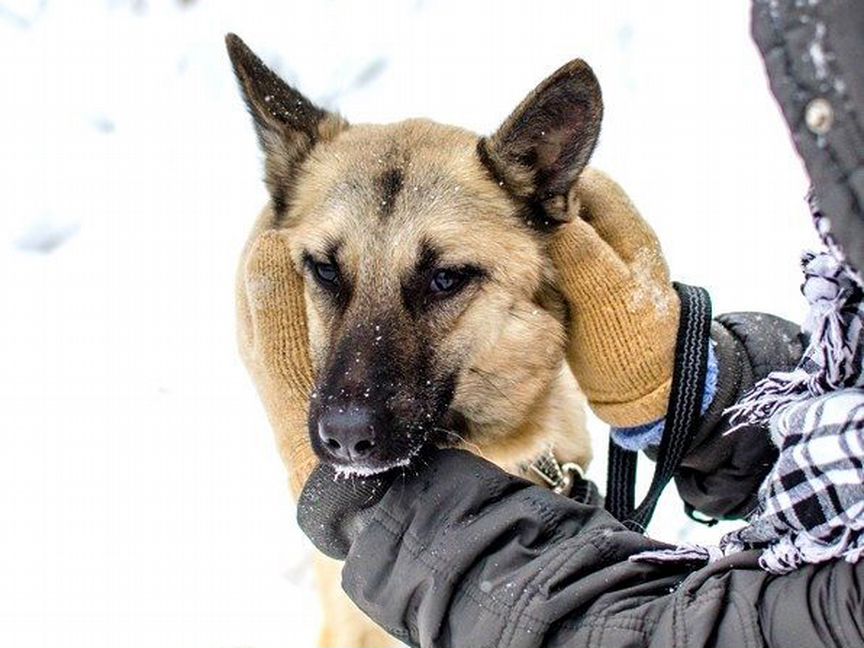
431 301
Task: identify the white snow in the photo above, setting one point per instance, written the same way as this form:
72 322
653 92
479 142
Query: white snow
817 51
141 497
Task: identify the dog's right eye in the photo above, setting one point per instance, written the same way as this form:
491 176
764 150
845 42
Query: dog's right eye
326 273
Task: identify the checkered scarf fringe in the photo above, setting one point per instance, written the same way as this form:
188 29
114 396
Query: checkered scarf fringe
811 504
832 360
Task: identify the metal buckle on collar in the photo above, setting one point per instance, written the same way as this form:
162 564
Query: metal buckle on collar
557 476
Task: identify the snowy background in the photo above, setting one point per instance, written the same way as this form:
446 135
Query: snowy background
142 502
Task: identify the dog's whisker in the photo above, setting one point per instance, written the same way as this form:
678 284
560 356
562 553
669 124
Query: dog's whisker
473 446
491 374
483 375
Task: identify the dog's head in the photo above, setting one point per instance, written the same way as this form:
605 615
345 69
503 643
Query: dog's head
432 312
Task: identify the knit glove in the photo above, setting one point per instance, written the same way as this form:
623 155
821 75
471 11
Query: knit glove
274 344
624 310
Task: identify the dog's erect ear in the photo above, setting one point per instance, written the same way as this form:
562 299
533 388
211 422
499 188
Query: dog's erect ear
287 123
540 149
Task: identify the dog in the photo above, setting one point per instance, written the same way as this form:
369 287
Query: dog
432 306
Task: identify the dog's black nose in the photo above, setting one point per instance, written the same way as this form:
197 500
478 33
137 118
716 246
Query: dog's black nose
348 434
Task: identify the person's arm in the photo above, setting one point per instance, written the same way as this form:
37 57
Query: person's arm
462 554
621 347
722 471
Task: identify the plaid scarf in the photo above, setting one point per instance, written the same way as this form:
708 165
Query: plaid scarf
811 504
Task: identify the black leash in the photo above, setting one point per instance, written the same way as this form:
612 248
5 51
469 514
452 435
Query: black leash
682 415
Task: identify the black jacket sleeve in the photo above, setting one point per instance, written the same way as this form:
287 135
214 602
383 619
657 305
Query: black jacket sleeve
464 555
721 473
813 53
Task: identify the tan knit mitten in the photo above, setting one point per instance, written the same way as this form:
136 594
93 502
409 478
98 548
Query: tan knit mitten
621 344
274 344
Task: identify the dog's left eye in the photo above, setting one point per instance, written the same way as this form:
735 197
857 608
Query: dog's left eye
447 281
326 272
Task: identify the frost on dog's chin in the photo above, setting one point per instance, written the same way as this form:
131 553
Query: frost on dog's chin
348 472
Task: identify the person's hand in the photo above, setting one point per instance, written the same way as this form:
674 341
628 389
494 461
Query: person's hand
624 310
333 510
274 344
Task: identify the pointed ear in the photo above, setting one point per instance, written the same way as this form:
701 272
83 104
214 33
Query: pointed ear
287 123
540 149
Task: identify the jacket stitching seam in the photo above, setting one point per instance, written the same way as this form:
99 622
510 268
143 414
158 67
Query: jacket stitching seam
491 604
556 564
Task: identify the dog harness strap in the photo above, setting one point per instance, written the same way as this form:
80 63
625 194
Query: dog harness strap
682 415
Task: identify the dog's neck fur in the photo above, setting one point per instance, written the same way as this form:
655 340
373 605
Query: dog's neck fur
556 420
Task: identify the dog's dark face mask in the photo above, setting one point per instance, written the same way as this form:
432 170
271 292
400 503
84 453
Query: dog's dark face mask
430 301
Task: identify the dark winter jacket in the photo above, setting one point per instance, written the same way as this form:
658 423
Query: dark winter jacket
465 555
813 54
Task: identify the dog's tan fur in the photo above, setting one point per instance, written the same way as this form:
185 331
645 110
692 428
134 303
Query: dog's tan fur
503 338
509 339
